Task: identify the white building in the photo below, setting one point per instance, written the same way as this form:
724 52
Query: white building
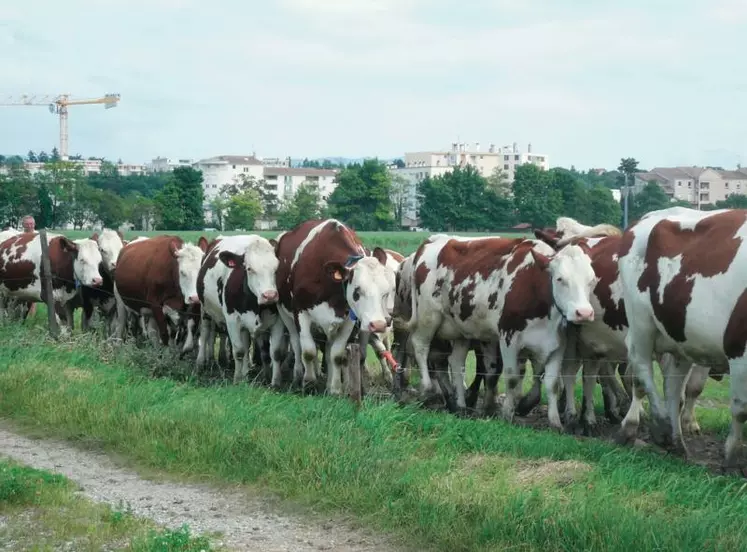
225 169
89 166
419 165
284 182
166 164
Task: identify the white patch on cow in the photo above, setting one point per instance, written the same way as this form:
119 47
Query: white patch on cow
110 244
86 263
668 268
573 280
189 259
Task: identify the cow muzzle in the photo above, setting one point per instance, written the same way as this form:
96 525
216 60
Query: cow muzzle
269 297
193 300
97 281
377 326
584 315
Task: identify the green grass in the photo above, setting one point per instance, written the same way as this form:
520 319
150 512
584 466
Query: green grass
436 480
41 511
403 242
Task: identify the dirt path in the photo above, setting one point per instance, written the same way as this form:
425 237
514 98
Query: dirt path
246 522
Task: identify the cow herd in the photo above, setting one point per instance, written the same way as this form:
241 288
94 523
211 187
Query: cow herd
672 288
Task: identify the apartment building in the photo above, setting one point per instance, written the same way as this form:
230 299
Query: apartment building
419 165
167 164
284 182
696 185
89 166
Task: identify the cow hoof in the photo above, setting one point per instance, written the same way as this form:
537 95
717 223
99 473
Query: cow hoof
588 429
571 424
731 470
613 417
627 435
691 428
525 406
660 430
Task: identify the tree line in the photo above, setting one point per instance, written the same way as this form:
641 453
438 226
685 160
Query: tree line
368 196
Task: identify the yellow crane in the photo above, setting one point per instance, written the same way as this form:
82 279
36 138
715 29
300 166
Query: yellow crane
58 104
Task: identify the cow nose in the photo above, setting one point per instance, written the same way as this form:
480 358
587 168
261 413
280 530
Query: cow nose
585 315
194 300
388 321
377 326
97 281
270 296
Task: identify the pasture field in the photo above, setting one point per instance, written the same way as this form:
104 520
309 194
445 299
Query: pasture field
403 242
436 480
41 511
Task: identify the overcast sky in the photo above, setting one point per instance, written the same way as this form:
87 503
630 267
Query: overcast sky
585 81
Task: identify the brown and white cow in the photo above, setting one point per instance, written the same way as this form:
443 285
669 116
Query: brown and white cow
684 280
515 294
74 263
325 280
157 277
600 345
237 291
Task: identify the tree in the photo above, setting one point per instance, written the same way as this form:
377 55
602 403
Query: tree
218 206
628 167
499 183
55 154
573 194
18 195
399 163
650 198
305 204
734 201
56 185
536 200
243 210
401 200
168 203
140 211
43 157
362 198
602 207
31 157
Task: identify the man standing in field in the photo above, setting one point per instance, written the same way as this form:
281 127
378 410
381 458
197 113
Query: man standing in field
29 227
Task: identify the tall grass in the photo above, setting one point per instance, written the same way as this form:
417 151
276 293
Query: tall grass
437 480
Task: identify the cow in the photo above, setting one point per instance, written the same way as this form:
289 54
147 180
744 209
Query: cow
73 263
684 284
516 294
325 280
237 290
110 243
157 277
601 344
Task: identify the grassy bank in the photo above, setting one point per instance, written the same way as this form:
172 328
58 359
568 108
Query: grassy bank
404 242
450 483
41 511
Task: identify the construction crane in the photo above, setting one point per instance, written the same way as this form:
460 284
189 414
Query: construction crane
58 105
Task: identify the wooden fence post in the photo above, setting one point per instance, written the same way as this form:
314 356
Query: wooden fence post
46 282
353 376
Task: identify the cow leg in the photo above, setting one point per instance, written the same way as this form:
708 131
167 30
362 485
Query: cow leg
533 398
457 360
626 376
241 343
568 375
694 387
338 357
86 314
309 350
421 340
553 378
121 324
364 340
510 356
189 342
473 391
738 389
607 377
401 341
295 341
206 328
676 372
159 318
277 334
589 378
640 347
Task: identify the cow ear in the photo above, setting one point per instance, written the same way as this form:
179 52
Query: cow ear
121 236
68 245
95 236
380 255
231 259
336 271
542 261
546 237
202 243
174 247
273 243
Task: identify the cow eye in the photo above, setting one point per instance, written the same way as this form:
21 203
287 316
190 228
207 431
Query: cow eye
356 294
559 280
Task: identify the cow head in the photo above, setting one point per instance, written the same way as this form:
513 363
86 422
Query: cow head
260 264
392 267
110 244
86 260
188 258
573 280
368 287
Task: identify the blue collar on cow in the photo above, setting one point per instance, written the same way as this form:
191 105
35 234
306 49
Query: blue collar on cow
77 283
